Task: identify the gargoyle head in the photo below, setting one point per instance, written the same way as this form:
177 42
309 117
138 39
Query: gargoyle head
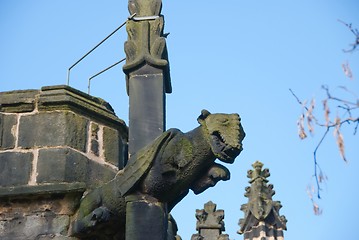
225 134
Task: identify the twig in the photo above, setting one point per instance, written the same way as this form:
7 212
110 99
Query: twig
356 34
300 102
316 165
335 98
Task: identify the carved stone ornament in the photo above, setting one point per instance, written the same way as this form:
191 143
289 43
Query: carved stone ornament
163 172
146 44
210 217
260 206
210 223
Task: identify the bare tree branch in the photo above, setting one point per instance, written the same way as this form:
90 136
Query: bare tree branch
346 113
316 165
356 34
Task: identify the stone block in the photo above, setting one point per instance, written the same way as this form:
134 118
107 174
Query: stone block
36 226
51 129
67 165
7 131
66 98
18 101
98 174
59 198
61 165
114 150
94 139
15 168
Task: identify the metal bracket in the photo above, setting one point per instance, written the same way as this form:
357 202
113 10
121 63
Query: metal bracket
144 18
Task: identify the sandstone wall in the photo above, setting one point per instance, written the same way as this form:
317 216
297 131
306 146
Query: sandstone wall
55 143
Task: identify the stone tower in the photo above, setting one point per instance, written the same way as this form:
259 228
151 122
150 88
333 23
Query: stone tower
261 219
55 143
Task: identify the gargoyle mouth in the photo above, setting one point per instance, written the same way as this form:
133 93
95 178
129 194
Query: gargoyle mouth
222 149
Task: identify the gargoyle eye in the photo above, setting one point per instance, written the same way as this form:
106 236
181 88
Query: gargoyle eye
224 121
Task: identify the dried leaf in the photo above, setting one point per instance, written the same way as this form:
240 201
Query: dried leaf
322 177
301 130
347 70
339 138
326 112
310 116
310 191
316 209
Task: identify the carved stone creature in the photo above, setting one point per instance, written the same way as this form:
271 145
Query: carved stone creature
164 170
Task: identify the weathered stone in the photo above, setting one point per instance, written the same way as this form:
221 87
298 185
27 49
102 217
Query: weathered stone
146 43
61 165
40 190
95 147
94 131
210 223
51 129
67 165
114 149
94 139
39 211
34 226
147 109
15 168
7 131
54 237
18 101
162 173
145 217
261 217
98 174
63 97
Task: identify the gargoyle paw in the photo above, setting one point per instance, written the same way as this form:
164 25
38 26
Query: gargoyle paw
101 214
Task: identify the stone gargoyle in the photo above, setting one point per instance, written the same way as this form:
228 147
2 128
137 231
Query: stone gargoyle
165 169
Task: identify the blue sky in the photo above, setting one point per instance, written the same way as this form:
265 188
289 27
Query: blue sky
233 56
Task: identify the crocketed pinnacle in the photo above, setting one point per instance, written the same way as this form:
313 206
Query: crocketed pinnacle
261 217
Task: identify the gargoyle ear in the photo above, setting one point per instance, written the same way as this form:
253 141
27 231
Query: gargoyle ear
204 114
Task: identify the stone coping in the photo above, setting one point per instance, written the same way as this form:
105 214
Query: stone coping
43 189
61 97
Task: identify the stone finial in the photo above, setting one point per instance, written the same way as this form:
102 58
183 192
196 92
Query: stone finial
261 212
146 43
210 223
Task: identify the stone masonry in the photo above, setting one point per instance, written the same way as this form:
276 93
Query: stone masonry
55 143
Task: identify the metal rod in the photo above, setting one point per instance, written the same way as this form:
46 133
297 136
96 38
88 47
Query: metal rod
89 82
145 18
73 65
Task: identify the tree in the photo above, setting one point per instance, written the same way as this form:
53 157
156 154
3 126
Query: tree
345 104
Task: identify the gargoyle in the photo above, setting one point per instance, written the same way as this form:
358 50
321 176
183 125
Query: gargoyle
165 170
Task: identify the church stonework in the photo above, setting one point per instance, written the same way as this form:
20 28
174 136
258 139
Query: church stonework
210 224
55 143
261 213
63 154
71 169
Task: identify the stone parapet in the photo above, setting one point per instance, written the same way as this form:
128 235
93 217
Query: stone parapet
55 144
58 134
